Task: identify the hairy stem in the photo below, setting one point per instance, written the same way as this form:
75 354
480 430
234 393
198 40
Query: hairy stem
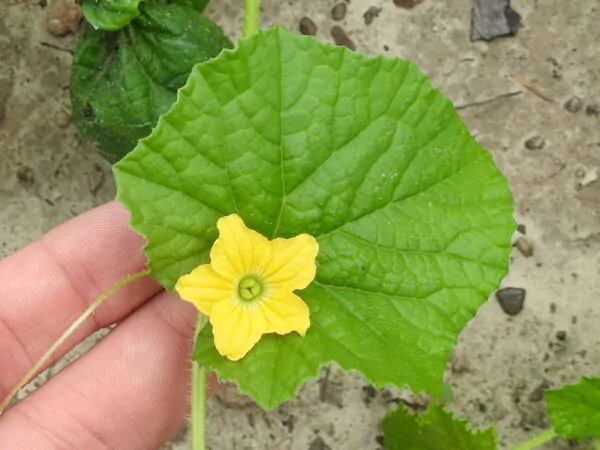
251 17
198 400
538 440
88 312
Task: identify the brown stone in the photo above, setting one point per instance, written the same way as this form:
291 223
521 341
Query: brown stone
63 17
341 38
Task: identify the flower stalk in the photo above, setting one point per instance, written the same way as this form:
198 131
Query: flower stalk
251 17
198 397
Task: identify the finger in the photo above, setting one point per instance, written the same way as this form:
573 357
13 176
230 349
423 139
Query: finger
129 392
48 284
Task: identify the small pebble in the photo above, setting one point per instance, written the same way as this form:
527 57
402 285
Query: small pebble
407 3
289 423
521 228
553 307
561 335
341 38
458 363
338 12
307 26
63 17
525 246
554 62
538 393
319 444
62 119
26 176
593 110
556 74
535 143
573 105
230 397
368 394
386 395
511 300
371 14
590 177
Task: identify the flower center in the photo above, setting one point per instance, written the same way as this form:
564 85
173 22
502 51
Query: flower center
250 288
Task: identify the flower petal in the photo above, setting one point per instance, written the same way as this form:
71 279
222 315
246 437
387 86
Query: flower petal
292 263
236 328
204 287
285 312
238 250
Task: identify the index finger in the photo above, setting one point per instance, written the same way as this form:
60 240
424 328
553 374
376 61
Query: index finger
48 284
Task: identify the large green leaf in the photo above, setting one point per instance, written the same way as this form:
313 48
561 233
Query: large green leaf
412 217
122 82
575 410
434 430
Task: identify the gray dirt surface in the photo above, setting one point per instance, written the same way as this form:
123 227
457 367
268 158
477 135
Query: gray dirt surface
501 363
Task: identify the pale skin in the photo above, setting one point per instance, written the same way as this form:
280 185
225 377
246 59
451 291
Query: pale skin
131 390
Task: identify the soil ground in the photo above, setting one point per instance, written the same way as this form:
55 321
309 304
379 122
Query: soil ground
501 363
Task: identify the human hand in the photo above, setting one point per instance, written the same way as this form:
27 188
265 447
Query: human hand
128 392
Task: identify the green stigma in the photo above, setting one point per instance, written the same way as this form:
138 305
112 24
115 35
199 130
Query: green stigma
250 288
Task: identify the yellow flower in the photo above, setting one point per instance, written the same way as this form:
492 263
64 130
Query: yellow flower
246 290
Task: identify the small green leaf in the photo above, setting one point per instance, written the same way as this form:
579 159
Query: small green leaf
123 81
412 217
575 410
434 430
110 15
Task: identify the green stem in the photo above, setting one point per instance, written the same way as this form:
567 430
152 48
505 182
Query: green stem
251 17
198 400
538 440
82 318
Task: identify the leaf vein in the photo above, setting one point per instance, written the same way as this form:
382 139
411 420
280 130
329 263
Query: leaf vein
441 252
281 135
172 191
356 136
403 199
